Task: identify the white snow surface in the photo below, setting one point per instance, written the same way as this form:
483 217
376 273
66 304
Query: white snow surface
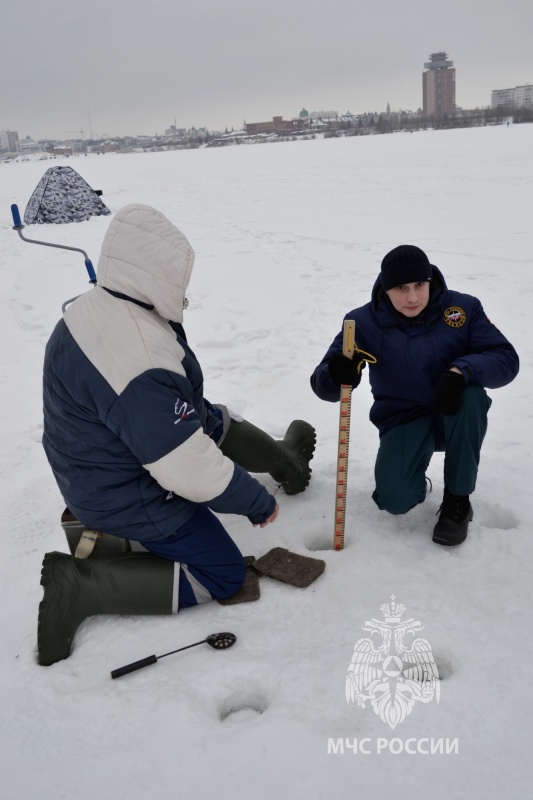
288 238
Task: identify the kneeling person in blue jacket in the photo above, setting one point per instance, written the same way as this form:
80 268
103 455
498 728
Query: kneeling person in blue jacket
435 352
136 449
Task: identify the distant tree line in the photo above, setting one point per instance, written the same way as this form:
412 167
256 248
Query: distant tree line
390 122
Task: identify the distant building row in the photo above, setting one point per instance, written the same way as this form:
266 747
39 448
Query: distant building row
438 100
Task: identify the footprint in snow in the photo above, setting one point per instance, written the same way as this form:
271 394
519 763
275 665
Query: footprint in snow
243 706
496 517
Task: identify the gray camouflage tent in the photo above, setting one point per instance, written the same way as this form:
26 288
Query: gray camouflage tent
63 196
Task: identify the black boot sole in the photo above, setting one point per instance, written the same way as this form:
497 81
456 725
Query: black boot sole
55 627
301 439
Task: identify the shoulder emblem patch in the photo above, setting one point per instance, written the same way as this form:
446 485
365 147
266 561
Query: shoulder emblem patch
455 317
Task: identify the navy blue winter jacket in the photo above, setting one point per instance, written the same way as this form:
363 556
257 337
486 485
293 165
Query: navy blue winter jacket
453 330
127 431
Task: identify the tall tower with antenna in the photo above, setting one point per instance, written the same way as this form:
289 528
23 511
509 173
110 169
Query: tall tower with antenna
438 86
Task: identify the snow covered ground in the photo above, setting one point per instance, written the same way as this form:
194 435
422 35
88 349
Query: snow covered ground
288 238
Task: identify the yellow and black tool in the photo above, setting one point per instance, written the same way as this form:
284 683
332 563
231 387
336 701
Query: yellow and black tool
349 347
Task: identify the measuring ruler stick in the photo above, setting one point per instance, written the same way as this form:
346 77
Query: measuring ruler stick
348 348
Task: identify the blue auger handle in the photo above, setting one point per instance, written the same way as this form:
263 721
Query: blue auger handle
16 217
18 226
90 270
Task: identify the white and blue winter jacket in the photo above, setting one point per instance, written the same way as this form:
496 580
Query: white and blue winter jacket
127 431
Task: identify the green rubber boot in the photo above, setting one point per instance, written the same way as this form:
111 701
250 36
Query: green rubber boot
75 588
287 461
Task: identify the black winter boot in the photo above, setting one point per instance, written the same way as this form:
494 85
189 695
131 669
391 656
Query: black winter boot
287 461
75 588
455 514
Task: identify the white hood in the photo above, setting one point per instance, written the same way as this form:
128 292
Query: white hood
145 257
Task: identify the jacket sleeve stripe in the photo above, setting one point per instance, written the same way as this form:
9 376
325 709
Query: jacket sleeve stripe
196 470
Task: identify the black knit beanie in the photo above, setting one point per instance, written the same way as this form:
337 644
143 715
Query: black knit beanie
405 264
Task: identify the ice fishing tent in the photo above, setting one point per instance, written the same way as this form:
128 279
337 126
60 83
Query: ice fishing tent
63 196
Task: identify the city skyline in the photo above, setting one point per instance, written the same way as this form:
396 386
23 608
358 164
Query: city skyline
117 74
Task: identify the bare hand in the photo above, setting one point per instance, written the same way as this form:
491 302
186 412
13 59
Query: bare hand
271 518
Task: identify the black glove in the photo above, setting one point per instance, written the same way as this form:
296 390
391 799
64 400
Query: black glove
448 393
345 370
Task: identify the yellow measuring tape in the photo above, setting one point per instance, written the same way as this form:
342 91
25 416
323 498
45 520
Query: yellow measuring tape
349 347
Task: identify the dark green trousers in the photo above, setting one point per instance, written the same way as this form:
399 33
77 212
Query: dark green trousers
406 450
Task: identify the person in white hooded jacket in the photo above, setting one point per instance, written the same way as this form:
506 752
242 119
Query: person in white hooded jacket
138 452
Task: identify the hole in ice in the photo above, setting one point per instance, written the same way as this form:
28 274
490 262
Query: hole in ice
320 541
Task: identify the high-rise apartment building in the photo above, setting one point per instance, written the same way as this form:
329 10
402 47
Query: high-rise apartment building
9 141
519 97
438 86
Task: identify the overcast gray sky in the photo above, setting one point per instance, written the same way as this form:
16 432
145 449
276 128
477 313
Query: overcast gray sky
120 67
